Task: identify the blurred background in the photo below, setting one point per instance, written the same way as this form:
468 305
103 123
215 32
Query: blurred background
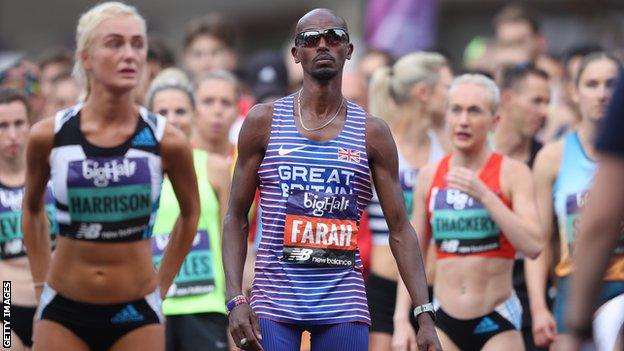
446 25
246 36
252 39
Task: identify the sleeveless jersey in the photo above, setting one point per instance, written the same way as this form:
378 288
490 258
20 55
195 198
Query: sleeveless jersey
576 173
106 194
199 286
407 177
460 224
11 237
312 194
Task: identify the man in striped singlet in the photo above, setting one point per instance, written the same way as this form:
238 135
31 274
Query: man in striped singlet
312 155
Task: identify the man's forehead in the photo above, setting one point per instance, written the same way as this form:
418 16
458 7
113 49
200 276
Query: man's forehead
320 19
534 81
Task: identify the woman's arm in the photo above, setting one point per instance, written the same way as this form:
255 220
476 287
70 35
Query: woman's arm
35 225
520 224
404 337
419 221
536 270
177 161
221 181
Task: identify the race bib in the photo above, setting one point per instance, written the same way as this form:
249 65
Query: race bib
462 225
408 180
11 236
574 204
321 229
196 275
109 198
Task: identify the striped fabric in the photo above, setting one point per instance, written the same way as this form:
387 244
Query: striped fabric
377 221
303 293
407 177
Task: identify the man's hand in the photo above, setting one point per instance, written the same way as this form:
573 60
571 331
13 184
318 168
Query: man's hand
244 328
427 338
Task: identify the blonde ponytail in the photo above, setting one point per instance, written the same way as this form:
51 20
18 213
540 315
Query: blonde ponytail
380 102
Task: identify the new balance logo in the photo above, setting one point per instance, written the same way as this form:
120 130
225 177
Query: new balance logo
486 325
127 314
89 231
449 245
298 254
144 138
283 152
14 247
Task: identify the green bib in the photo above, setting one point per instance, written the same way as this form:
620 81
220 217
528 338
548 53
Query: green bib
199 286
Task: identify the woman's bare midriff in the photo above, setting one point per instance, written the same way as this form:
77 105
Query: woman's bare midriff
102 273
470 287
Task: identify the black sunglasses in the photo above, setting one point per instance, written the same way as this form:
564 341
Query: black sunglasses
332 36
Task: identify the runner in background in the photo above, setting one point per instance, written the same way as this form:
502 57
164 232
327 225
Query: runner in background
408 94
563 172
14 128
194 309
525 97
603 214
64 93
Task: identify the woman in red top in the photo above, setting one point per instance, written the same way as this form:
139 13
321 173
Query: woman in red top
479 206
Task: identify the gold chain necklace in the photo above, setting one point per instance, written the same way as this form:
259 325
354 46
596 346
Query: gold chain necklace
317 128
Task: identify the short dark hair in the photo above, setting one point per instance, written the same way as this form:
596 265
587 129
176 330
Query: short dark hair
214 25
516 12
60 56
9 95
514 75
159 51
63 75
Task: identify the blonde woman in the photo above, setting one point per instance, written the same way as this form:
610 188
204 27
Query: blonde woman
106 160
408 95
479 208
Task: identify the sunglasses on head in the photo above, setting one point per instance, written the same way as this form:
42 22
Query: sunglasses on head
332 36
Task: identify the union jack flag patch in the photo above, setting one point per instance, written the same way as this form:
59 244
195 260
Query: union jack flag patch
348 155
